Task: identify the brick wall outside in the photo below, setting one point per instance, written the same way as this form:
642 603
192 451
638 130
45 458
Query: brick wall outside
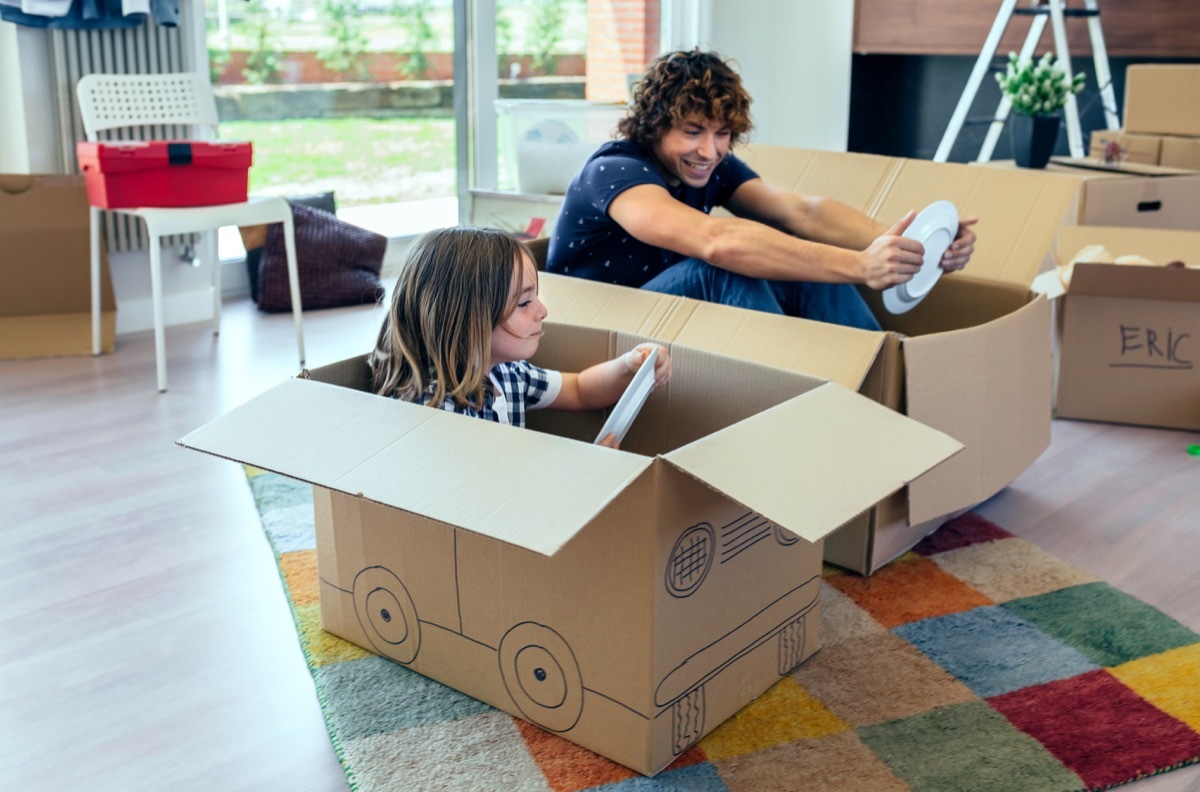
304 68
622 40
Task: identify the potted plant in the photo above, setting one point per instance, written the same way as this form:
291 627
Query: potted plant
1038 90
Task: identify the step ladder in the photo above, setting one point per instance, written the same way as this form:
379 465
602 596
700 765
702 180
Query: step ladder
1041 10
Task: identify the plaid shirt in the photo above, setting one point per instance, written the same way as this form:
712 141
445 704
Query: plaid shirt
517 387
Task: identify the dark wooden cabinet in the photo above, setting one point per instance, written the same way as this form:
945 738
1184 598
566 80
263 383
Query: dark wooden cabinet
1132 28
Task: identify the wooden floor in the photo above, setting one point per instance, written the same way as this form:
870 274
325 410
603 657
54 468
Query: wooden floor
145 642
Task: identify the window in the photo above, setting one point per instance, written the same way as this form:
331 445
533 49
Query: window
358 96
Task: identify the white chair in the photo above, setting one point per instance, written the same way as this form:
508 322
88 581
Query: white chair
111 101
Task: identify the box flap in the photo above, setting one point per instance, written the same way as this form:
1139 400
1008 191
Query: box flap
1135 283
814 462
990 387
1013 235
830 352
839 354
1159 245
854 179
585 303
411 457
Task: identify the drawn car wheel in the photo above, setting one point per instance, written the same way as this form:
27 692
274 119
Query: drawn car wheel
791 645
386 614
542 676
688 720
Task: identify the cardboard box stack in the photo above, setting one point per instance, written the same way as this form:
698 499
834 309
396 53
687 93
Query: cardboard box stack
1162 119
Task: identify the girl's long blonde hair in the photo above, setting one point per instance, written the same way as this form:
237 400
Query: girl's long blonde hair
452 293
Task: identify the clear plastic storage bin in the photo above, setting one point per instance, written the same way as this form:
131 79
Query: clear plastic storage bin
544 142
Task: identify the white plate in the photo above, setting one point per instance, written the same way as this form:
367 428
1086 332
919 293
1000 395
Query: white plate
935 228
631 401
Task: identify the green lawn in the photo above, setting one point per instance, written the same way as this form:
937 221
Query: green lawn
363 160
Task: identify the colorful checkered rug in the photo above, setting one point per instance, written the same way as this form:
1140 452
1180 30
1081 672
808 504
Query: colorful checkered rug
975 663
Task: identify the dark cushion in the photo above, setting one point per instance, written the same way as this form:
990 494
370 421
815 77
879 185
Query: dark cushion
254 237
338 263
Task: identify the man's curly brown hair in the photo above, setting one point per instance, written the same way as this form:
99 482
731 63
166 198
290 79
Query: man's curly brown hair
681 84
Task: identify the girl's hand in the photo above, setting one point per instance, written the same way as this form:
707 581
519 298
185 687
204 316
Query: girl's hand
610 441
662 364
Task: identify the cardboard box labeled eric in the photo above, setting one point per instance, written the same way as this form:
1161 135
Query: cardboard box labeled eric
1163 99
45 269
131 174
628 600
973 359
1129 335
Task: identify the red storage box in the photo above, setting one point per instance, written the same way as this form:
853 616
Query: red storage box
132 174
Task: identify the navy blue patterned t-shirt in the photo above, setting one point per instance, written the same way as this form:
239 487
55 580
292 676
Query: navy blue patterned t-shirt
587 243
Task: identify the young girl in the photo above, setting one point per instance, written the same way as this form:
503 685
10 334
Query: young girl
464 317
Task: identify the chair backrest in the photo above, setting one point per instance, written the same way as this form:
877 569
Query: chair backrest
109 101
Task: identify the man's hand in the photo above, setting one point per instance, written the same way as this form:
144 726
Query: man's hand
891 258
960 250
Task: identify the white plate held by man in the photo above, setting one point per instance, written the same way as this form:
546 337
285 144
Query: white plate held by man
934 227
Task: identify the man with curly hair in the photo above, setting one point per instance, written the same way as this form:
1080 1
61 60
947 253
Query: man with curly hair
638 212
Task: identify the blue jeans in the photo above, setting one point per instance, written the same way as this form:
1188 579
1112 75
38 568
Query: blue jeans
836 303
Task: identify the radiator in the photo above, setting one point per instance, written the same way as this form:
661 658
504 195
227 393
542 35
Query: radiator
146 49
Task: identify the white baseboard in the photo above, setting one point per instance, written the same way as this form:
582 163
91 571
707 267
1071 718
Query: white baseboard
137 315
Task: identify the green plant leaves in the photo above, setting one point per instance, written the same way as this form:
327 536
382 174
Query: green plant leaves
1037 87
